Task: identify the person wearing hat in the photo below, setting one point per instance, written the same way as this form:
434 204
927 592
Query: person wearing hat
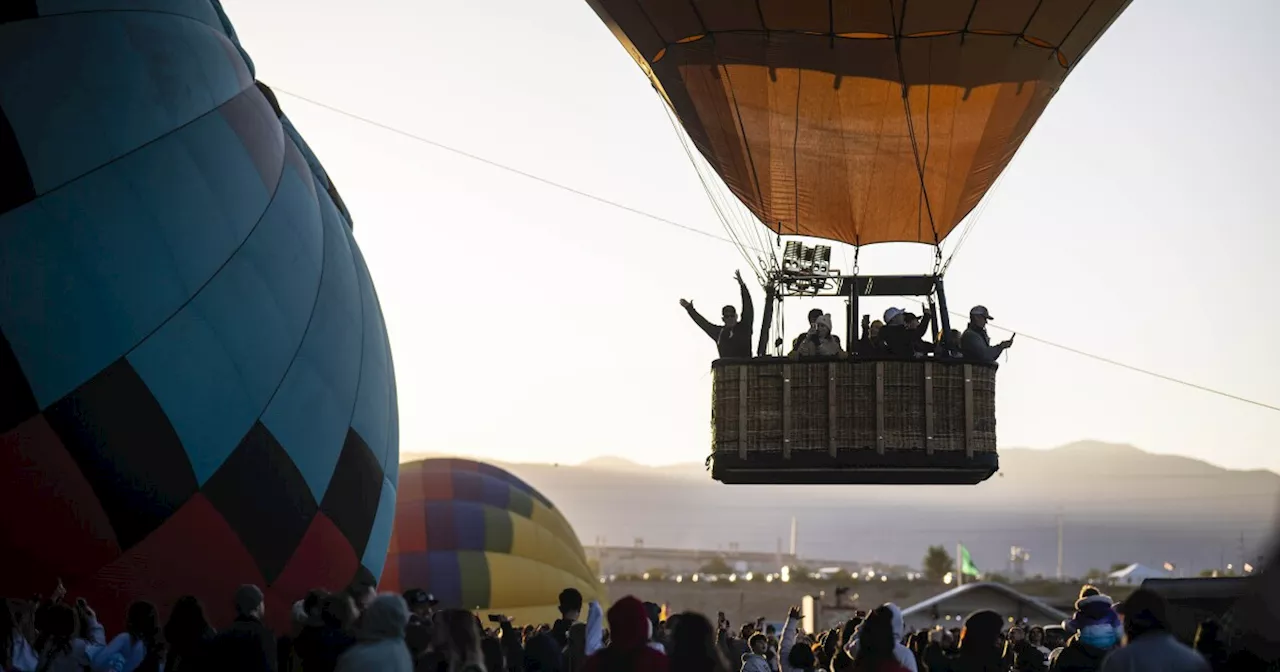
975 343
733 338
417 634
1150 647
902 333
819 341
247 644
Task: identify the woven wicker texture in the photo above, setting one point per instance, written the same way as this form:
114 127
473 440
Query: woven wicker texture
818 406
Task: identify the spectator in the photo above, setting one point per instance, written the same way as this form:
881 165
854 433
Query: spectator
189 636
1095 620
981 648
381 646
629 641
904 655
15 651
247 645
457 642
754 660
61 649
319 645
694 646
878 642
138 647
1150 646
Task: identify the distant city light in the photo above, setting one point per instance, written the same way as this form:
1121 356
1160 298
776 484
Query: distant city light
883 578
948 578
646 576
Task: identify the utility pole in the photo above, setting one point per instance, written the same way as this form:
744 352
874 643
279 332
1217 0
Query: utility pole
794 532
1060 544
959 563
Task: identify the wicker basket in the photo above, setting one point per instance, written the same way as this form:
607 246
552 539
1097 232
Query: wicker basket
906 421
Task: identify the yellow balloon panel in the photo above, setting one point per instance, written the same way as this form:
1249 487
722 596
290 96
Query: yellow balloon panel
519 582
529 540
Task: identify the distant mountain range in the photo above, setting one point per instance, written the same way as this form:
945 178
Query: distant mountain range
1118 504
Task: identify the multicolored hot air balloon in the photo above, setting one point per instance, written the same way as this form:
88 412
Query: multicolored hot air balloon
858 122
479 538
196 387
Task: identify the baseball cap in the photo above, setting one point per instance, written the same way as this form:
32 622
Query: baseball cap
981 311
891 313
418 597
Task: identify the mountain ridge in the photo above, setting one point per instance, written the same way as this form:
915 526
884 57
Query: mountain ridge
1118 503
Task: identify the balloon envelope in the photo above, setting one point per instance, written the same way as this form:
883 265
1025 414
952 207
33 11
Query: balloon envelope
799 104
196 388
479 538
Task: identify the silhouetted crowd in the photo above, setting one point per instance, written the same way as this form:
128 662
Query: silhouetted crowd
357 630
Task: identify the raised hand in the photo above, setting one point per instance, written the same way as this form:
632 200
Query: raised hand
686 304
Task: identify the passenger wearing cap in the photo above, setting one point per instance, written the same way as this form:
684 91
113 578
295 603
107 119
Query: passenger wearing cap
819 341
902 333
733 338
975 343
1150 647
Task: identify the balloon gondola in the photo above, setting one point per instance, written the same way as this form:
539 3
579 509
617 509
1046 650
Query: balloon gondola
857 122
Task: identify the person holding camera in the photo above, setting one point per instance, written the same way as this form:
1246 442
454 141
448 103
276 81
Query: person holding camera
819 341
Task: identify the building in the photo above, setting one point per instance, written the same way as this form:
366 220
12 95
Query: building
949 609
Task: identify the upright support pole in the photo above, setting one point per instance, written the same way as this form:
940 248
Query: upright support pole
770 295
959 564
942 306
851 315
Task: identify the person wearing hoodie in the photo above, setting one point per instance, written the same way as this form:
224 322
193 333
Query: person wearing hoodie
754 660
877 644
904 655
787 643
1096 620
380 643
628 649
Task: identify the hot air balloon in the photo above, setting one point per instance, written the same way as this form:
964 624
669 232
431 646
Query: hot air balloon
196 387
856 122
476 537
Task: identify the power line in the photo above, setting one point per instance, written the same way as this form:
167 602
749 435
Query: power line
691 229
502 166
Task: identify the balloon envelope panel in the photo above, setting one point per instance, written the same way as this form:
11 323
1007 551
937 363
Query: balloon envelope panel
196 387
479 538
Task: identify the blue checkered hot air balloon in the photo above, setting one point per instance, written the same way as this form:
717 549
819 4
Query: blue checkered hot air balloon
196 387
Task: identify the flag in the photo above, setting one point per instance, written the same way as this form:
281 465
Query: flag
966 563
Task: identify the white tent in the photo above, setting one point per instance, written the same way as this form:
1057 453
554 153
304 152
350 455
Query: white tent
1135 574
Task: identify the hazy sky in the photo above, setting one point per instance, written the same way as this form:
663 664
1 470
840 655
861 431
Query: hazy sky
1137 223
